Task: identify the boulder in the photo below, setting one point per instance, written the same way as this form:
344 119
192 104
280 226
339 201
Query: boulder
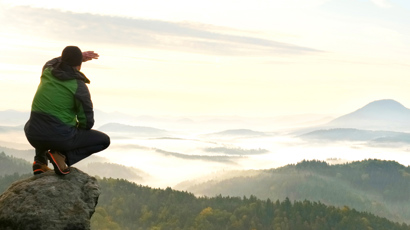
50 202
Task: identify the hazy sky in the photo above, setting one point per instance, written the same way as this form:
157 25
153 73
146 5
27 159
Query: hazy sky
214 57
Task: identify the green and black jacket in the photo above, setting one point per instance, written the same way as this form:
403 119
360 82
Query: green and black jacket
61 105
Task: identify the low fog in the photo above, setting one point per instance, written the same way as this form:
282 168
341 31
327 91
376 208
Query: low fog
167 151
171 161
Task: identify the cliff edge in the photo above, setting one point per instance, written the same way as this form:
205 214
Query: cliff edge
50 202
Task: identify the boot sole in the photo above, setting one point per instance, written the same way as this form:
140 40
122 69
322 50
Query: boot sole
38 171
57 169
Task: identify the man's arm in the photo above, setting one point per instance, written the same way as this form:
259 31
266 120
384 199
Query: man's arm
87 56
85 112
84 106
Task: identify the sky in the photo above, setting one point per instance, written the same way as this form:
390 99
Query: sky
254 58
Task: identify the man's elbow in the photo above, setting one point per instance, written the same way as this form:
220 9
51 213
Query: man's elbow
90 124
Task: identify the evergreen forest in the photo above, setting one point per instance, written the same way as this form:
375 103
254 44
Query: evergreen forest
376 186
125 205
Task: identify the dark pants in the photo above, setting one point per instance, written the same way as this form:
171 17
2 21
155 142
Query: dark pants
82 145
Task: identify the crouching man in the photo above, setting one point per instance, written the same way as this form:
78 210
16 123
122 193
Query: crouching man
62 115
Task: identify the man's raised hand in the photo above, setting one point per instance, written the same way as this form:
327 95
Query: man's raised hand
89 55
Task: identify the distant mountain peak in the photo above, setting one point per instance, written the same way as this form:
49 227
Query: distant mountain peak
384 114
381 109
385 104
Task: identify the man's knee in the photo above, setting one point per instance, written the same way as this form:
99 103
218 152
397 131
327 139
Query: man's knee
106 141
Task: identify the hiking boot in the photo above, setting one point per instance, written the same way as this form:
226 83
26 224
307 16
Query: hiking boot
39 167
58 161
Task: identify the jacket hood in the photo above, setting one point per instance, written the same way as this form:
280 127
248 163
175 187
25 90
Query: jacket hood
64 72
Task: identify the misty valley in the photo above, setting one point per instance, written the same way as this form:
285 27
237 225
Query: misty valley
355 164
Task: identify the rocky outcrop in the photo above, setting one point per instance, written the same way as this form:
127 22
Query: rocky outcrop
50 202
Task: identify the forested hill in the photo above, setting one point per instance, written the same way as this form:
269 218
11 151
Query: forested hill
10 165
124 205
127 206
379 187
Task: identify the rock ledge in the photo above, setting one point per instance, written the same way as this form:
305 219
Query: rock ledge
50 202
